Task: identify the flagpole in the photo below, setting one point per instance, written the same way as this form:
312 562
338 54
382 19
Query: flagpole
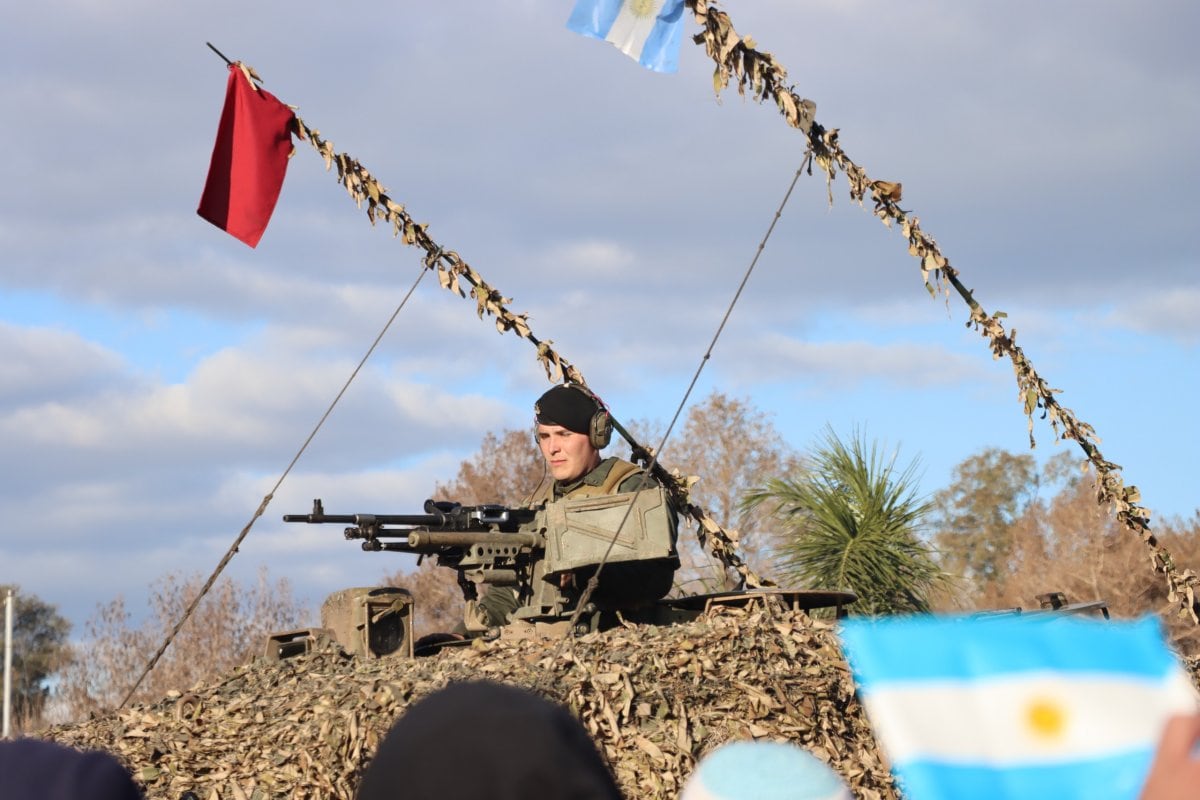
8 632
218 52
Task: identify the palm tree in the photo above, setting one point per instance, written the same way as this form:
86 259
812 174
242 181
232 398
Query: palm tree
851 522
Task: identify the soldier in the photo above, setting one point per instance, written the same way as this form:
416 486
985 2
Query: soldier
571 428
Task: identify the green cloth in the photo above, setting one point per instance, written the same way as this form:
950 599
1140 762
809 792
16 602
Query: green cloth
598 476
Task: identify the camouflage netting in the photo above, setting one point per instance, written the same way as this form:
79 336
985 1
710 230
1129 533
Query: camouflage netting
655 698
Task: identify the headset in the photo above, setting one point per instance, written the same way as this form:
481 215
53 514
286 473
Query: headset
600 426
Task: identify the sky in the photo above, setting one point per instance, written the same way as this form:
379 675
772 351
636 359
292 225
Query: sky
159 375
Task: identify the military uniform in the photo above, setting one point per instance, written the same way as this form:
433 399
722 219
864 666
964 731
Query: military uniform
612 476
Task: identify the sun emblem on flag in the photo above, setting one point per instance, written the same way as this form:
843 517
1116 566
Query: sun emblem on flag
641 8
1046 719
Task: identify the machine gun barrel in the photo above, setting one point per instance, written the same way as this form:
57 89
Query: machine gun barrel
438 516
368 520
318 517
418 540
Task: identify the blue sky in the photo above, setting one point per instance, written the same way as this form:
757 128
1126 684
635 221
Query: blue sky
159 374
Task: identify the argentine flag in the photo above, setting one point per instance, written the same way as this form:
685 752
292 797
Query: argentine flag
1011 707
648 31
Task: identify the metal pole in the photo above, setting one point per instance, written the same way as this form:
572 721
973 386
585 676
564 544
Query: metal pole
8 625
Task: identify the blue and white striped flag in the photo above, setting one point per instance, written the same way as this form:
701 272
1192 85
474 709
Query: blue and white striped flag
649 31
1007 707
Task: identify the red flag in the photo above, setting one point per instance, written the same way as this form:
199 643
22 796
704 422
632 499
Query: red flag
249 160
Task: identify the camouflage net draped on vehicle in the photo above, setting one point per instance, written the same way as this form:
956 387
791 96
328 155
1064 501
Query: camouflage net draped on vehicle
654 699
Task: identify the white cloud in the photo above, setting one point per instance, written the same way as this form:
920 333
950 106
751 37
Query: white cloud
49 362
601 258
352 490
1173 313
850 364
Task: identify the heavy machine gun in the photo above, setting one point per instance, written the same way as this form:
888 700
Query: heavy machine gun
544 554
448 530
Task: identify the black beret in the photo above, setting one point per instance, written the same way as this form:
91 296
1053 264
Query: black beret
566 406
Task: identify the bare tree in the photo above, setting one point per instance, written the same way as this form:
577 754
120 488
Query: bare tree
507 469
227 628
733 448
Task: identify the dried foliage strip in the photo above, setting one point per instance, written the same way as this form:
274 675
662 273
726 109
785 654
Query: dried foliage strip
738 59
655 699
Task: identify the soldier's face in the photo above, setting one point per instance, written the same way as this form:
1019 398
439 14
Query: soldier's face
569 455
